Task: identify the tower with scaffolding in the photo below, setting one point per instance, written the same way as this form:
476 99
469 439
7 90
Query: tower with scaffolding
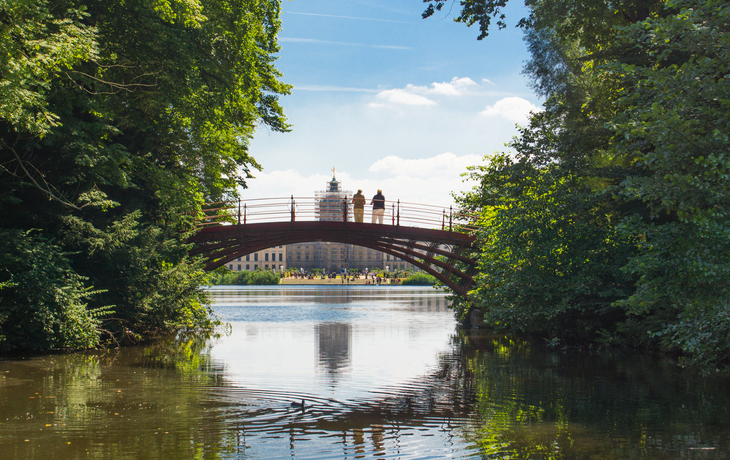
332 204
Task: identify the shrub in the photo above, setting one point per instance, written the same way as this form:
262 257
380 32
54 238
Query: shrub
42 300
258 277
420 279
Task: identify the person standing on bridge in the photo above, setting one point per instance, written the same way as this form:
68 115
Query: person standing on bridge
378 203
358 205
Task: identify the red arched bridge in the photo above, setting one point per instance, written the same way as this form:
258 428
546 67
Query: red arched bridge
435 239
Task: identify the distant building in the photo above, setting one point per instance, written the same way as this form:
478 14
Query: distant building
266 259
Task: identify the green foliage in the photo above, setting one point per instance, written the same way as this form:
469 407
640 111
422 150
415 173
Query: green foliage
591 21
611 222
43 302
550 259
117 121
673 126
256 277
150 278
420 279
36 45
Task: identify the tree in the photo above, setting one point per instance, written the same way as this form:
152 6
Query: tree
672 125
117 121
614 209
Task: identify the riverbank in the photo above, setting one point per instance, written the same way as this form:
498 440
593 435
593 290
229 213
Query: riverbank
330 282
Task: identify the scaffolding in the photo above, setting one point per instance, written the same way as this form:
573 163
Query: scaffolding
332 205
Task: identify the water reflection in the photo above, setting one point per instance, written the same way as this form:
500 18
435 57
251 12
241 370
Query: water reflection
394 379
109 405
535 404
334 341
401 297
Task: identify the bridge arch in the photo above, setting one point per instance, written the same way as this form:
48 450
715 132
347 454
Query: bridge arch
444 254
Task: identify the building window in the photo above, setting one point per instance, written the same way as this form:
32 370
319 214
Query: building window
248 257
267 266
255 266
239 259
230 267
281 246
248 267
387 257
266 256
281 255
256 257
239 267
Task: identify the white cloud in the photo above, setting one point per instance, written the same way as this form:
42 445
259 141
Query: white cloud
511 108
416 95
446 164
400 97
424 180
456 87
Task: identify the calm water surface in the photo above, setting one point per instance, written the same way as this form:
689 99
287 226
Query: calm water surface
383 373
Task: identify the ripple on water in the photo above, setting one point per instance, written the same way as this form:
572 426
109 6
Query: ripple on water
415 419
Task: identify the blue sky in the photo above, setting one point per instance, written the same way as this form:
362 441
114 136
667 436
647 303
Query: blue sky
390 100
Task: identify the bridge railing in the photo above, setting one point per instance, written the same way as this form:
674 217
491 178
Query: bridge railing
318 208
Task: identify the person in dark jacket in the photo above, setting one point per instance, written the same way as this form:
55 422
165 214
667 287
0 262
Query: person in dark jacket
378 203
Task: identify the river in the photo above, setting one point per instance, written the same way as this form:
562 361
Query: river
383 372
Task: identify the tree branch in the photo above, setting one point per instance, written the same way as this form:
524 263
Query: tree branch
47 191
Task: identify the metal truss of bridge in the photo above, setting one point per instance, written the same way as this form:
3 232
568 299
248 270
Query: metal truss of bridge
432 238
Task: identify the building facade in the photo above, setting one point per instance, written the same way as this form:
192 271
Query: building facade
266 259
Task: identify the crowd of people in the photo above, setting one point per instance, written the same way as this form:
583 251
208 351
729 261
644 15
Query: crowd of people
370 278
